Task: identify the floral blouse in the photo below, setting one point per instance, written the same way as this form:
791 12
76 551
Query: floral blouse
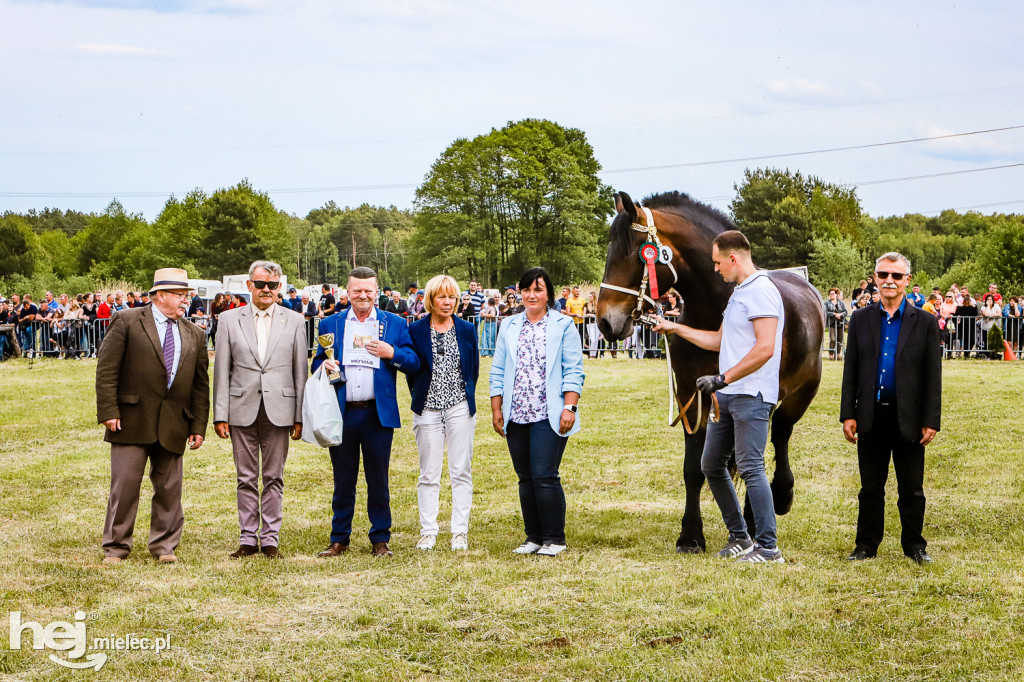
529 392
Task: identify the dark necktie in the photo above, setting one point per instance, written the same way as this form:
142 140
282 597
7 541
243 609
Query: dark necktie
169 350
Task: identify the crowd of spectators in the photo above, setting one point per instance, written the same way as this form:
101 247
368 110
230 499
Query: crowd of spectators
965 318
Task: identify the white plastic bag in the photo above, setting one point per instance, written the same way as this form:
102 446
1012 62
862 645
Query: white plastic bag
321 414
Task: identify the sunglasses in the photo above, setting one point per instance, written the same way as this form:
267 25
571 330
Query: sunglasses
896 276
439 343
259 284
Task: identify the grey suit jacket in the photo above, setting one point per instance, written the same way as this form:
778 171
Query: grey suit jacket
241 381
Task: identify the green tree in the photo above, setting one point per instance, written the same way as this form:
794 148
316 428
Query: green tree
1001 256
242 225
836 263
103 235
17 256
524 195
782 212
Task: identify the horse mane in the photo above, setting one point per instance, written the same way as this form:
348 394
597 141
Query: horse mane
706 219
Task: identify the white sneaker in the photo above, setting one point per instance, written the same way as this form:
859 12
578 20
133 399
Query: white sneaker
550 550
526 548
426 542
460 542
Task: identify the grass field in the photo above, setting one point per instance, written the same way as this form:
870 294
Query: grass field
618 605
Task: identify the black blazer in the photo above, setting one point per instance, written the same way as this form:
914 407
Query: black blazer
918 371
469 361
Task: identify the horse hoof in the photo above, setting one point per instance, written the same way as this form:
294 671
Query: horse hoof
783 500
692 548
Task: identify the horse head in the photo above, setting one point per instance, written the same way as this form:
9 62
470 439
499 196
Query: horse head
687 228
619 301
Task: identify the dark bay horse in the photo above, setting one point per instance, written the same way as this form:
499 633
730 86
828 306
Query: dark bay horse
687 228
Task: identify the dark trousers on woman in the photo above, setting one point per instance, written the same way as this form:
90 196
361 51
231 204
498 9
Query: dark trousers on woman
874 450
362 430
536 455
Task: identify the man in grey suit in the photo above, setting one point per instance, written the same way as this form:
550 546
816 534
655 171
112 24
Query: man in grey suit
259 373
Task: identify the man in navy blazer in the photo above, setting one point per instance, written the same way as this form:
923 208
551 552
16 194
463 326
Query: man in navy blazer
376 347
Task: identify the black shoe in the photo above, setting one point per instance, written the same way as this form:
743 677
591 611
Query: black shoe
860 554
920 556
243 550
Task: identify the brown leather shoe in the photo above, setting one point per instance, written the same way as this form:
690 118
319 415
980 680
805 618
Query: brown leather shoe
381 549
269 551
167 559
334 549
243 550
111 560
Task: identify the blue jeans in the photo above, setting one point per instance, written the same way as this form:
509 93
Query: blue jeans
536 452
490 334
362 428
27 338
742 425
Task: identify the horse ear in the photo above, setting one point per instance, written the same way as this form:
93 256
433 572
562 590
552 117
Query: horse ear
623 204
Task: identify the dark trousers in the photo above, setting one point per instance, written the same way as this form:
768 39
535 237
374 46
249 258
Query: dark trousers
536 452
362 430
874 450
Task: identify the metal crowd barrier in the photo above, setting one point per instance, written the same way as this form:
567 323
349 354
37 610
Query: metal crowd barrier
960 337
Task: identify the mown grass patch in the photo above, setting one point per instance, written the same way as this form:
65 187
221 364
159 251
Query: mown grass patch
619 605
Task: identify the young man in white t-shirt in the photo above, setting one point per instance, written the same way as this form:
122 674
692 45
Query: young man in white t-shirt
749 344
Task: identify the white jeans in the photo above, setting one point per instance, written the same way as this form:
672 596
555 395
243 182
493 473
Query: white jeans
433 430
595 338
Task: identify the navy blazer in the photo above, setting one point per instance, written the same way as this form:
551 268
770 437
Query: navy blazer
469 361
391 329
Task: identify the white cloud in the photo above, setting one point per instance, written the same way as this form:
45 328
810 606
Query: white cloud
105 50
983 147
803 90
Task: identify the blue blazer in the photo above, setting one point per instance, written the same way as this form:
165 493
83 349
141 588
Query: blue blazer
391 329
564 359
469 361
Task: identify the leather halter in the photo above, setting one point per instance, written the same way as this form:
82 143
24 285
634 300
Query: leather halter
641 294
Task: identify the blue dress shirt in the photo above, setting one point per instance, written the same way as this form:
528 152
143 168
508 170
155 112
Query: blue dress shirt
887 356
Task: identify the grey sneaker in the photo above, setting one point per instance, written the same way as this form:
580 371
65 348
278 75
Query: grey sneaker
763 555
737 548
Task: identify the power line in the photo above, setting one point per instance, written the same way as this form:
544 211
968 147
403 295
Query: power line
811 151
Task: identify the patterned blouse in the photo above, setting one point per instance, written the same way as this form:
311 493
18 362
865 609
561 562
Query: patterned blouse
446 386
529 392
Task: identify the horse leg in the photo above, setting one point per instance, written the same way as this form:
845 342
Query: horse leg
783 480
691 536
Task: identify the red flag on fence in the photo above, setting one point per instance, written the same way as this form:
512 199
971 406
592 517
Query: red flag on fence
1008 354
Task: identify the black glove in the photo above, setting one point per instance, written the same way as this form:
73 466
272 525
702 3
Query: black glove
711 383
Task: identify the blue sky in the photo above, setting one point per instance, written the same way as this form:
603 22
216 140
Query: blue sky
353 101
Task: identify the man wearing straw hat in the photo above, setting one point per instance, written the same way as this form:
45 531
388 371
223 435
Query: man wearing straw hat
153 397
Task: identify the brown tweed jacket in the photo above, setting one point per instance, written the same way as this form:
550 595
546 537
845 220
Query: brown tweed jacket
131 383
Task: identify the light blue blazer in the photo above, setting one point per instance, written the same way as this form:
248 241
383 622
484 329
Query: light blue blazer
564 359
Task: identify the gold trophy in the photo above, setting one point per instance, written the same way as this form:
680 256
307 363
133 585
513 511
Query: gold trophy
327 343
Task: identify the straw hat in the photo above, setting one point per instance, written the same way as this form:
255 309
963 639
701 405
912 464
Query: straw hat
169 279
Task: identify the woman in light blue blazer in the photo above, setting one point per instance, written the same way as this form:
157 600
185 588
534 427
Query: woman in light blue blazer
536 380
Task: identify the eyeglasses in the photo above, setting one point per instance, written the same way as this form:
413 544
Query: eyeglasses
259 284
896 276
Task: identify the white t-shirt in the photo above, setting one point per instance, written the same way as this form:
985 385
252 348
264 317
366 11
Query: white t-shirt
755 297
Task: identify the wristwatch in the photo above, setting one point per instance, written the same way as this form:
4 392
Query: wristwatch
572 408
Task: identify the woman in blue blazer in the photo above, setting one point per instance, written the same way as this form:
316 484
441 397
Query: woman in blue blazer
536 380
444 406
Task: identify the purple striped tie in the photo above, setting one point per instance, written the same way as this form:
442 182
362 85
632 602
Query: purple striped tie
169 350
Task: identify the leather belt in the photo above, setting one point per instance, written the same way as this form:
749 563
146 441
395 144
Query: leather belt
360 404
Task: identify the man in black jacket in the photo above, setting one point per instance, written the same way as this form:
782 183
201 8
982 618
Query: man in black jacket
891 404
